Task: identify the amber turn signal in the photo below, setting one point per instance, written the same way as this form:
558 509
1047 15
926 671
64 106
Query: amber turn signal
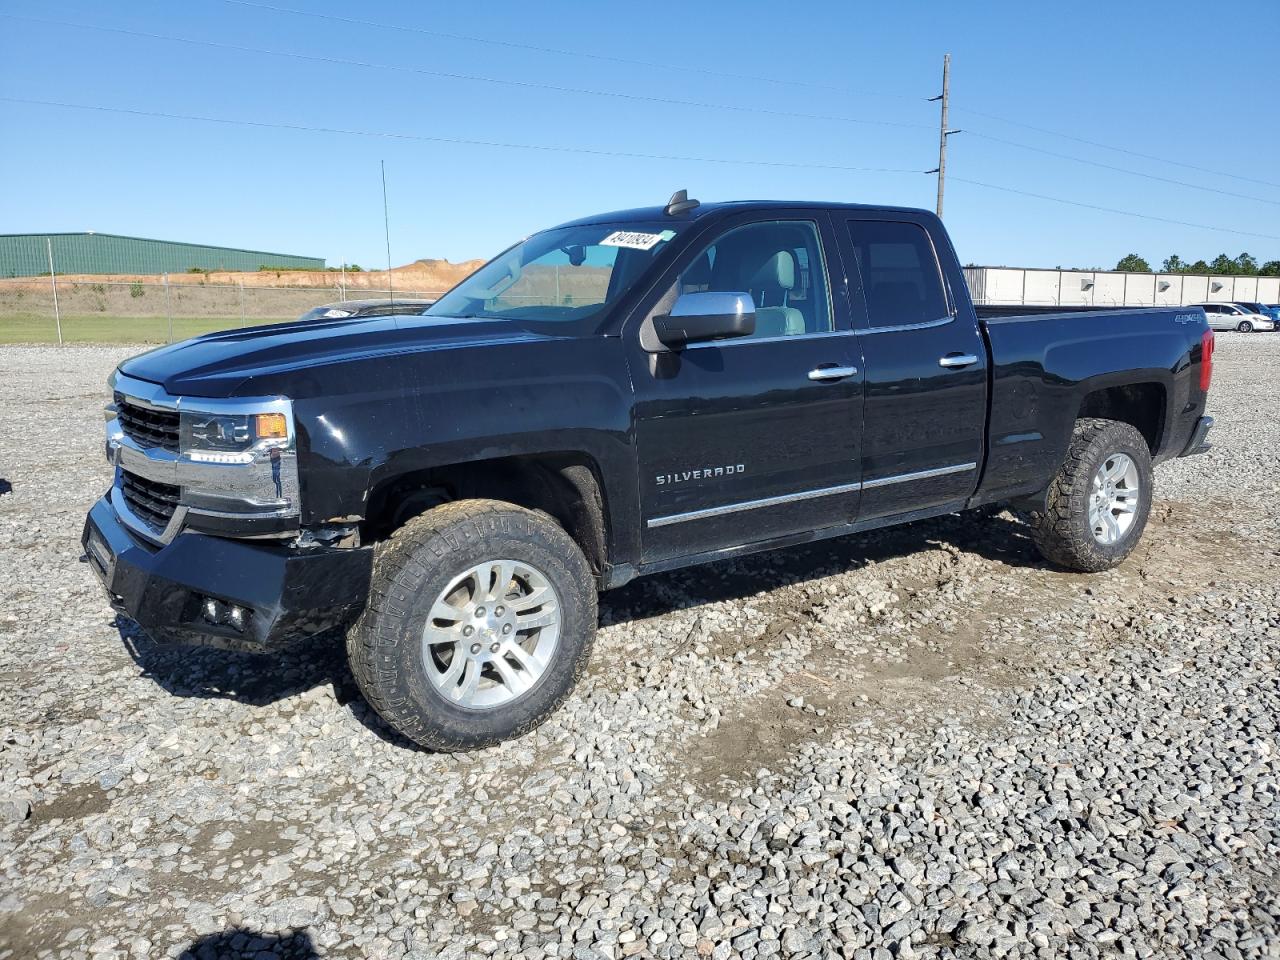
271 426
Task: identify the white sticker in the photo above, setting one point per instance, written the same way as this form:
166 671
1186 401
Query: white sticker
637 241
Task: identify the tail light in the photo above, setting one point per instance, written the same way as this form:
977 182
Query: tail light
1206 360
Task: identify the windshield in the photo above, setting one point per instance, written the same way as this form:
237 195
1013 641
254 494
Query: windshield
566 274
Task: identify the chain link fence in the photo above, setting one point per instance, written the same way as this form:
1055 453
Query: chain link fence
157 312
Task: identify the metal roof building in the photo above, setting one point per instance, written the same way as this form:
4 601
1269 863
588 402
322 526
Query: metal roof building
27 255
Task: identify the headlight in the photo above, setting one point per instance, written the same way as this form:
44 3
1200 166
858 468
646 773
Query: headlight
231 437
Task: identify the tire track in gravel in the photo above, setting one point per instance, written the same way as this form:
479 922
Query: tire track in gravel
951 631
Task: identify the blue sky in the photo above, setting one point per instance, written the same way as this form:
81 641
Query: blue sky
1162 79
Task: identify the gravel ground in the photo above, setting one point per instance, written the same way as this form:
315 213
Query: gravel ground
922 742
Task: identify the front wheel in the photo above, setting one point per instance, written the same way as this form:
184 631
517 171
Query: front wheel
1245 327
480 621
1097 504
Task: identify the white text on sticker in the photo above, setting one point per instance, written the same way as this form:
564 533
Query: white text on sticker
637 241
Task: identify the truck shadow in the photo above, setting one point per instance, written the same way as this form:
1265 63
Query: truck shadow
985 532
256 680
241 942
261 680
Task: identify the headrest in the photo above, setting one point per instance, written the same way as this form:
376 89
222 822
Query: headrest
778 270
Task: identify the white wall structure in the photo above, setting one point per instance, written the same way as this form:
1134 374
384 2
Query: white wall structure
1105 288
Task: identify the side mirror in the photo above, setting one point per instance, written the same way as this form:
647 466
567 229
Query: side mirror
699 317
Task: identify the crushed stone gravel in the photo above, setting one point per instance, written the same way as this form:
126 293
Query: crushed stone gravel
921 742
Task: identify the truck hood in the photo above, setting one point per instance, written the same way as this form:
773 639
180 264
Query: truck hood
244 362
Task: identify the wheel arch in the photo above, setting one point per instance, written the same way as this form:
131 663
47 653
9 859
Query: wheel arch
1142 405
568 486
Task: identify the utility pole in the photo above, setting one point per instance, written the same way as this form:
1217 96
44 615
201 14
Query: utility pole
386 224
943 132
168 308
53 280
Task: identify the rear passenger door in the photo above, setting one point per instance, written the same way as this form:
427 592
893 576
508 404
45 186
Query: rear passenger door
925 380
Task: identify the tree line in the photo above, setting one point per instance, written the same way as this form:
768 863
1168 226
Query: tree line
1245 265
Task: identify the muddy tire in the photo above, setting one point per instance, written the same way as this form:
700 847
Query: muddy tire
1097 504
480 621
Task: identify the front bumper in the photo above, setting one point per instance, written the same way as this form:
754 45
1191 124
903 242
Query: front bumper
286 593
1199 441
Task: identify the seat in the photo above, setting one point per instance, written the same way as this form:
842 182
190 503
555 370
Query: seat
773 280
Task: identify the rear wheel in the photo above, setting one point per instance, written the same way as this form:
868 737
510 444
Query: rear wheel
1097 504
480 622
1245 327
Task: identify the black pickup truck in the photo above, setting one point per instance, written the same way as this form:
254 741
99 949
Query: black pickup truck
623 394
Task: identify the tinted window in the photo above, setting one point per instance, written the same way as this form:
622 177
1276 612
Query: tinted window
899 272
780 264
564 274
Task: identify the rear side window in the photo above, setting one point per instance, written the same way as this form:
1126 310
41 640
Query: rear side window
899 272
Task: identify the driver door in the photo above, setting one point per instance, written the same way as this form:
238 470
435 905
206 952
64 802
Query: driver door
758 437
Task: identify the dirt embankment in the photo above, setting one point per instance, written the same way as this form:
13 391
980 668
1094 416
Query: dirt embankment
434 275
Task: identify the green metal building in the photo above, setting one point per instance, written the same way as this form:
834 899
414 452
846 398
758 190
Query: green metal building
27 255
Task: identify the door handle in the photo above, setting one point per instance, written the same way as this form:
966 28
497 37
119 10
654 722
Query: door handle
832 373
957 360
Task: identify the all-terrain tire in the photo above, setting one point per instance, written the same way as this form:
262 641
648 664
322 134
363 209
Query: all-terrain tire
1063 532
385 646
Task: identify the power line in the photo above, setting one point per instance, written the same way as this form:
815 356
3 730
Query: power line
479 78
1123 213
1106 146
551 148
737 76
529 84
558 51
1125 170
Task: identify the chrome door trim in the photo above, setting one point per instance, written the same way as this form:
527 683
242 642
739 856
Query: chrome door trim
745 341
919 475
922 325
751 505
807 495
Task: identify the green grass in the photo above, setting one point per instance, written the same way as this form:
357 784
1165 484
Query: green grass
35 328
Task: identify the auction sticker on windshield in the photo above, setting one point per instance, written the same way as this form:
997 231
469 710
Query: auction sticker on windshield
637 241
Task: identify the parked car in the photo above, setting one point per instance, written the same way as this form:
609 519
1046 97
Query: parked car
617 396
365 308
1266 310
1232 316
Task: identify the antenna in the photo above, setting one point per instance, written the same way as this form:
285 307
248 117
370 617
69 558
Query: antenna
386 224
679 203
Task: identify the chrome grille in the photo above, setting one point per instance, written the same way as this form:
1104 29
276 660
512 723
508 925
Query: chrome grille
147 427
150 501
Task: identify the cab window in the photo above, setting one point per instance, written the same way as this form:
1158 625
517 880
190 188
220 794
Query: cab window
780 264
899 272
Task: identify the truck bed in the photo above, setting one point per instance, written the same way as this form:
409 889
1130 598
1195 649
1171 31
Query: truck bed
1051 366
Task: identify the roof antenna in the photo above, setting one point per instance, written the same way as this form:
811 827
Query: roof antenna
679 203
